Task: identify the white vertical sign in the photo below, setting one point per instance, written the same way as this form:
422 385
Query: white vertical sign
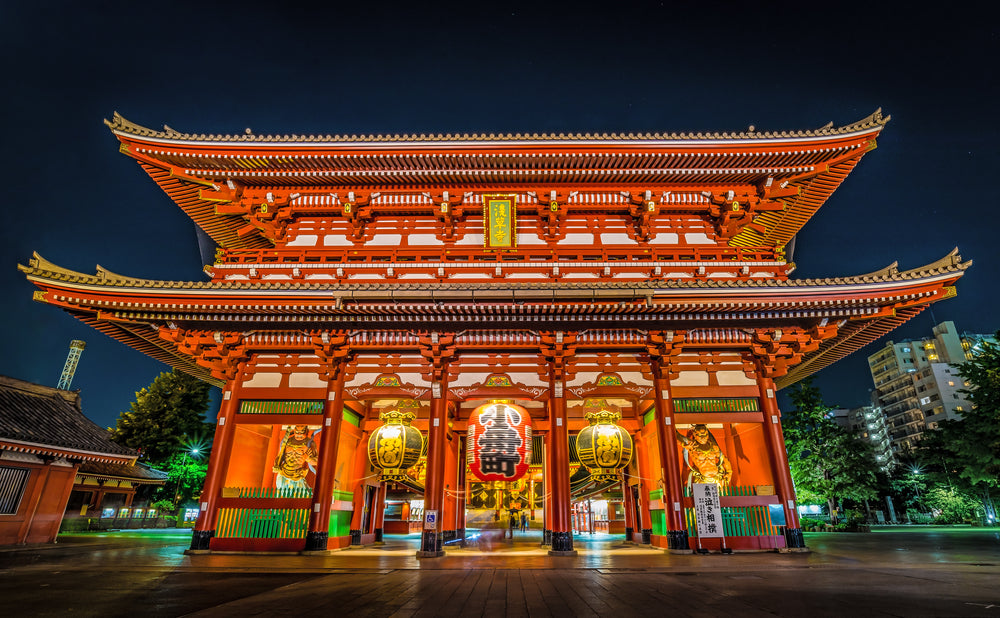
707 511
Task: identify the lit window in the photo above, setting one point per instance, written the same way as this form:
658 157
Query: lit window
951 383
959 409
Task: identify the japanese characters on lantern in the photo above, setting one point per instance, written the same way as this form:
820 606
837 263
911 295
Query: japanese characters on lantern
498 442
395 446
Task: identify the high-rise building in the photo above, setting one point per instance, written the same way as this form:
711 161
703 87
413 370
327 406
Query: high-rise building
917 385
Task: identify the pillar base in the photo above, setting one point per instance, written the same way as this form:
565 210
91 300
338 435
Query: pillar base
356 538
678 539
316 541
647 536
430 545
629 533
794 538
562 544
200 539
378 535
546 537
449 535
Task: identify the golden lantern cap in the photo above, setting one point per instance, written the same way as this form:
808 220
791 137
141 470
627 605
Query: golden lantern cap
397 417
602 417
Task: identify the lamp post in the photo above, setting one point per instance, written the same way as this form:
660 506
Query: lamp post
916 473
193 451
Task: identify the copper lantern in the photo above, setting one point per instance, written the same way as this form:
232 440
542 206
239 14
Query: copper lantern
604 447
395 446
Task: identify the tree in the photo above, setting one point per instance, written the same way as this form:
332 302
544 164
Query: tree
965 453
827 461
163 415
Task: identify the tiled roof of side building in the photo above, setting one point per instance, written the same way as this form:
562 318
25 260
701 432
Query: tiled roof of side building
119 124
44 416
137 473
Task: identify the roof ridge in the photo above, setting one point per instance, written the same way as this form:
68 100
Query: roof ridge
119 124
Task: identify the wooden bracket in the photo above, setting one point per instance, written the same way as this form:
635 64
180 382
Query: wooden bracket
448 208
221 353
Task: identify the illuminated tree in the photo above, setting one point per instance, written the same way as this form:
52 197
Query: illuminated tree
965 453
164 414
827 461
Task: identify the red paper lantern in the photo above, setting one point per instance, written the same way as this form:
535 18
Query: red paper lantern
498 442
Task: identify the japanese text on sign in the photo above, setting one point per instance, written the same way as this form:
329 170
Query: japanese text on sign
707 511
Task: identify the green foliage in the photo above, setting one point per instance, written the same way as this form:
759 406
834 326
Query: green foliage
185 478
168 410
827 461
952 506
964 454
163 506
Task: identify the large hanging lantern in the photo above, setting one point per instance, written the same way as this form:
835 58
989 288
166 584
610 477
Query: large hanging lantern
498 442
395 446
604 448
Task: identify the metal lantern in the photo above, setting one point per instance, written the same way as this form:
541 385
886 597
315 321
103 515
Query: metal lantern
395 446
604 448
498 442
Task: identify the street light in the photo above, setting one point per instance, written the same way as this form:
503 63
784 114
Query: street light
917 471
194 450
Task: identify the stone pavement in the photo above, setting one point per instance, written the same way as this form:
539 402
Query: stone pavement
890 572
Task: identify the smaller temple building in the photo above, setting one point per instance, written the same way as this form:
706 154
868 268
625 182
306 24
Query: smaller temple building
44 441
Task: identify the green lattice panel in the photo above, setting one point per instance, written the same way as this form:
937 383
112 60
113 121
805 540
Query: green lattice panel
262 523
739 521
281 407
718 404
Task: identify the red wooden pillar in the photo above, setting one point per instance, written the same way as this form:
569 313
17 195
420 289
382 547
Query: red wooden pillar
562 530
673 497
449 512
628 505
222 446
462 487
360 501
318 536
431 542
775 439
645 527
379 518
546 490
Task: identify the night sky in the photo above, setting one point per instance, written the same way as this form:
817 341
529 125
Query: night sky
503 67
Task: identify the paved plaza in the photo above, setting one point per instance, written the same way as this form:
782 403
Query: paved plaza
889 572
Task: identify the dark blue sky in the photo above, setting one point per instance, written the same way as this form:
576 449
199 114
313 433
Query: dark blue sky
504 67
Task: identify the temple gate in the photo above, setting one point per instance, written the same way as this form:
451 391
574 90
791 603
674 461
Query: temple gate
638 280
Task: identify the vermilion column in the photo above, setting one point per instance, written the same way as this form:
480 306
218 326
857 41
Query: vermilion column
431 542
449 509
775 439
562 531
222 445
673 496
380 512
629 506
645 527
318 536
360 492
546 490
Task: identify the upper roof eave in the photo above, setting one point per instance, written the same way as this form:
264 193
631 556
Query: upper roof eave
873 123
950 265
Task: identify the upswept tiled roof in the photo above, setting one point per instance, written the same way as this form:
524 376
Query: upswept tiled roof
120 124
137 473
34 417
42 268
